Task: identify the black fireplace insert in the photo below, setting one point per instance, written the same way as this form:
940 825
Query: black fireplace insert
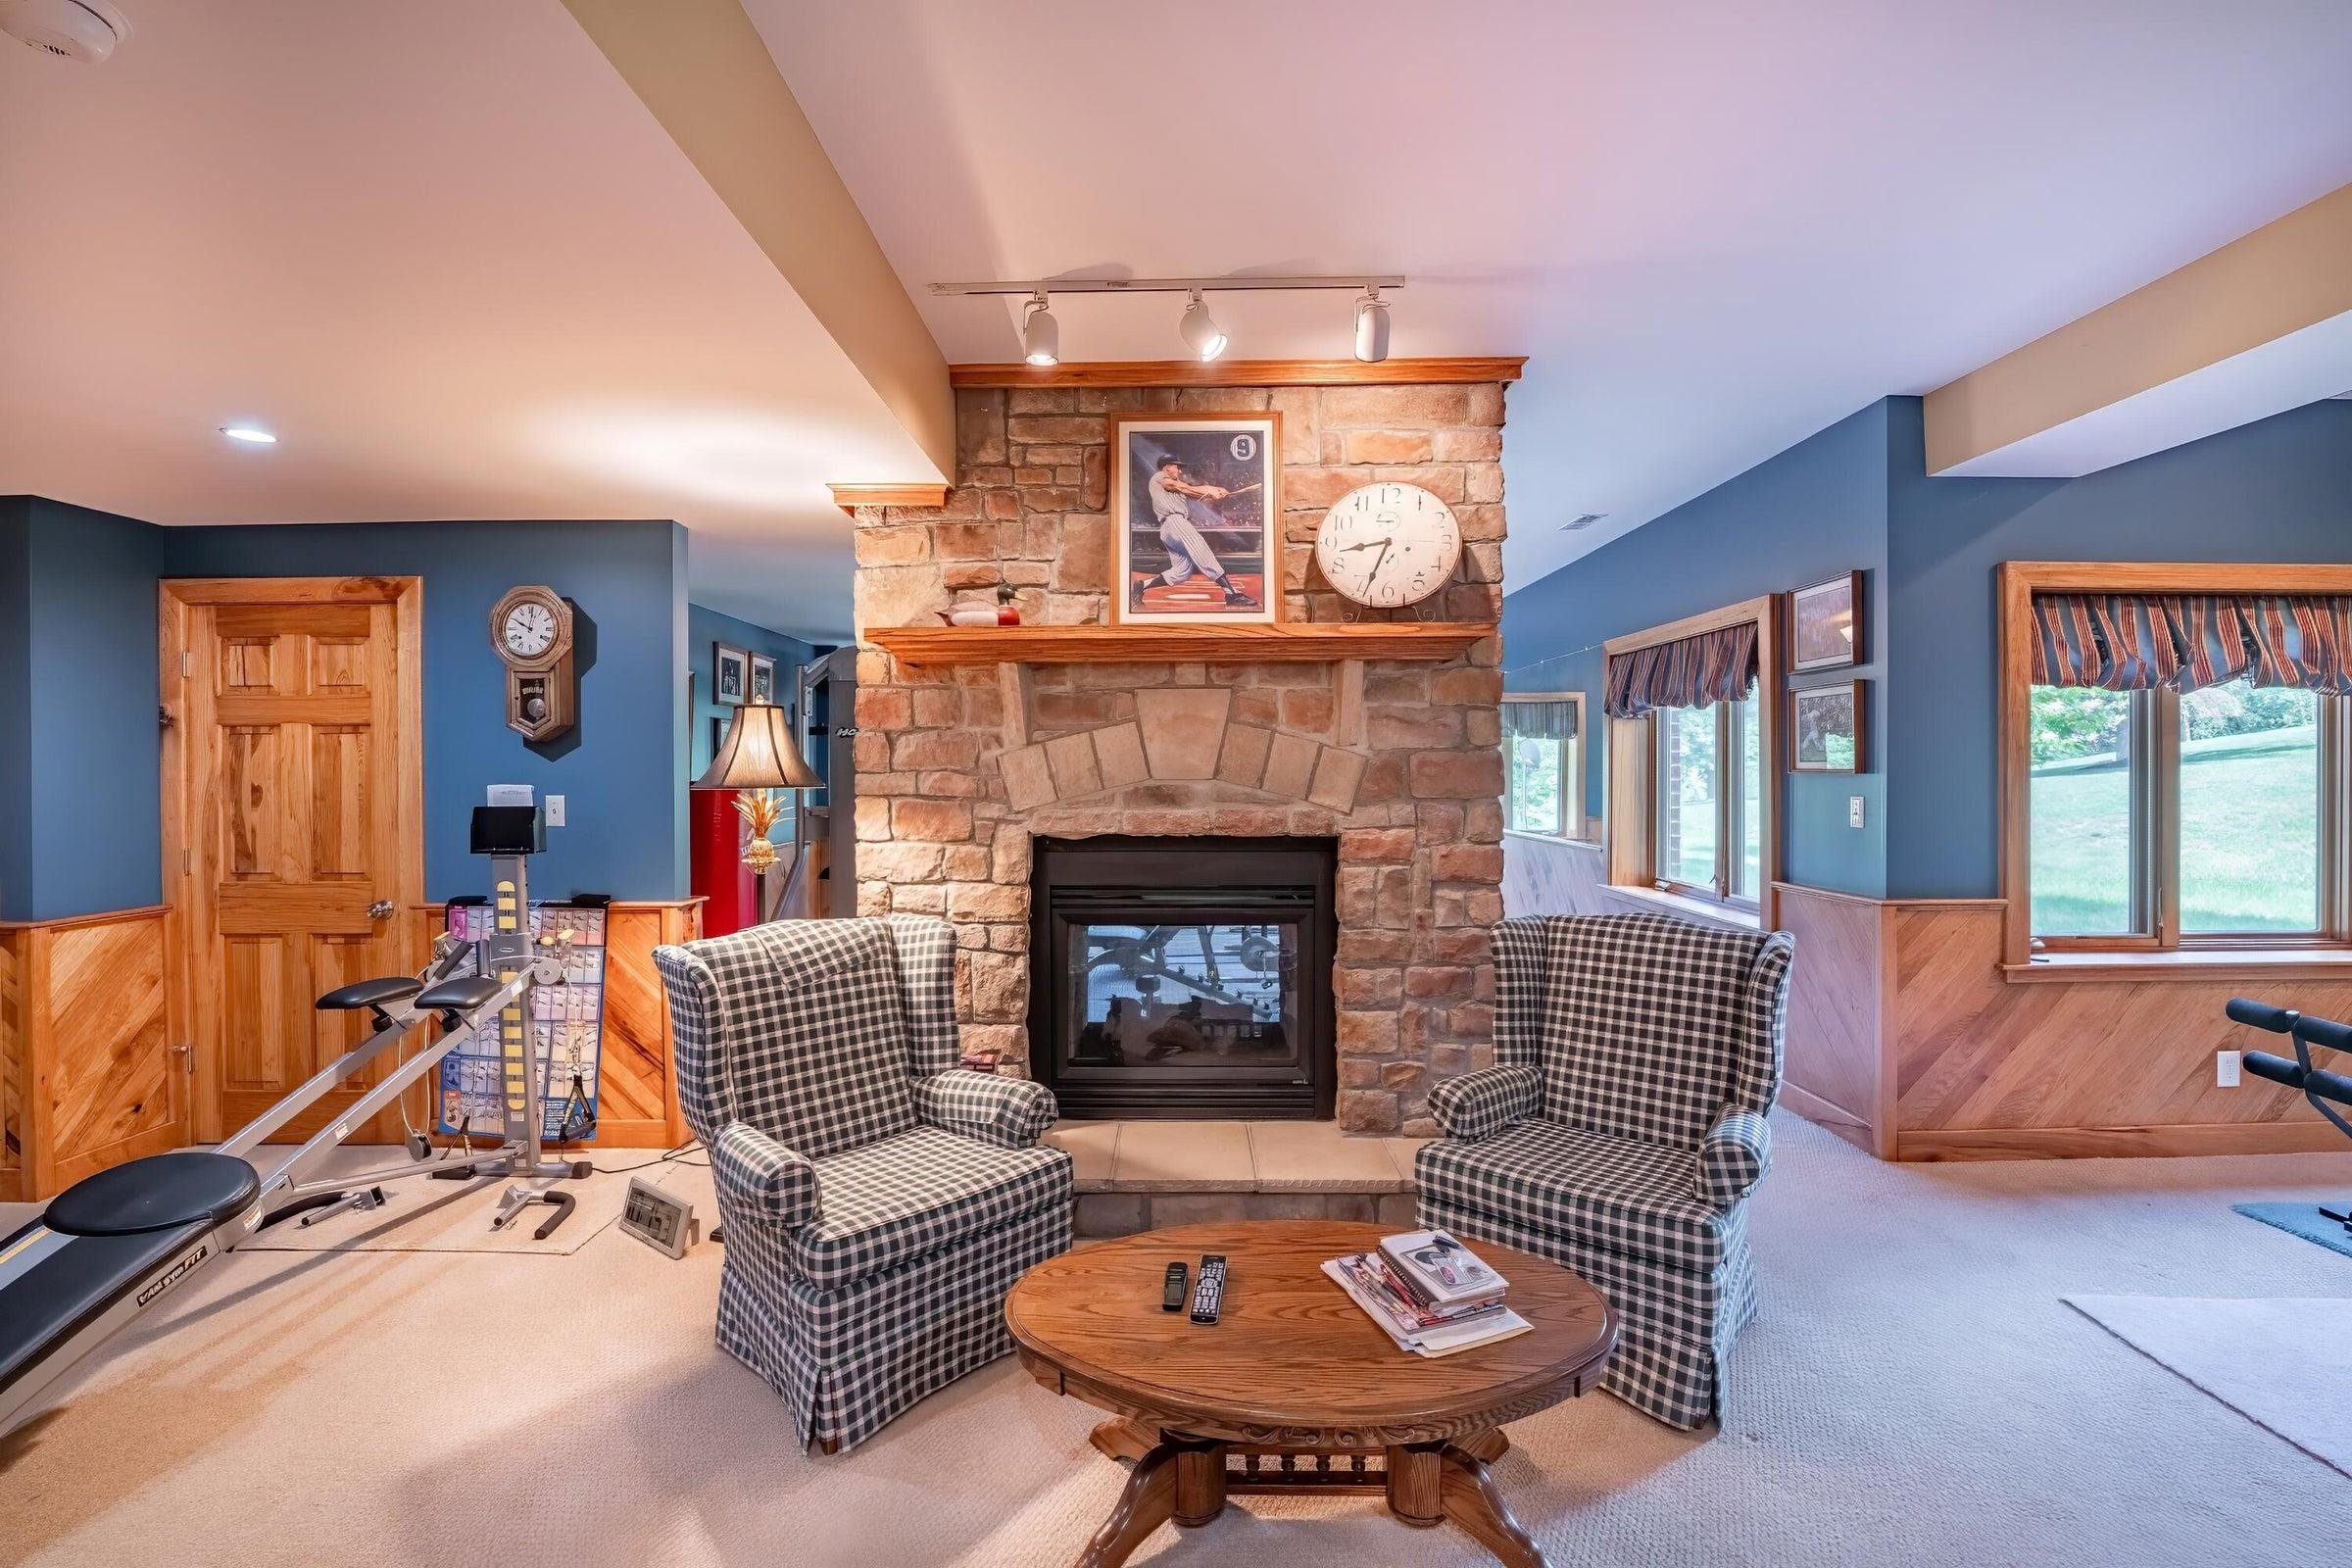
1183 977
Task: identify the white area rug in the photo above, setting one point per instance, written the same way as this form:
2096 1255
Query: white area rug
2284 1365
423 1215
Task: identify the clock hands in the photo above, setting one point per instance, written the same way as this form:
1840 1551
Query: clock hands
1366 544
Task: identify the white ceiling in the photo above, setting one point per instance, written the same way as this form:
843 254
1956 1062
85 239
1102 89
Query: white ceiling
1713 227
444 252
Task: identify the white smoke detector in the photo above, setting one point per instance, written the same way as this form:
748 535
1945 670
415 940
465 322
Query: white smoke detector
86 30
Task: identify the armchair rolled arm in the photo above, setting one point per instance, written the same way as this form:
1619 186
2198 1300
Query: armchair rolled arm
753 1169
1482 1104
1010 1111
1734 1157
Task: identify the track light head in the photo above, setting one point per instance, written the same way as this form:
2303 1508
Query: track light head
1199 331
1371 327
1040 335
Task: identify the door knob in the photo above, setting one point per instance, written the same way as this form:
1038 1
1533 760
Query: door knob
380 910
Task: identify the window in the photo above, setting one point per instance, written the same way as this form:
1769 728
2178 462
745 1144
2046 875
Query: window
2167 819
1710 801
2176 762
1542 735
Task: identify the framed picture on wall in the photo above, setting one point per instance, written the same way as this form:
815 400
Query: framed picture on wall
1196 514
1825 627
764 678
1824 723
730 674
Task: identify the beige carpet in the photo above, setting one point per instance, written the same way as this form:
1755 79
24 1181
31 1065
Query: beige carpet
423 1215
1915 1392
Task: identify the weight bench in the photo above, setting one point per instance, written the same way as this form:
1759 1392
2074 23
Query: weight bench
2323 1089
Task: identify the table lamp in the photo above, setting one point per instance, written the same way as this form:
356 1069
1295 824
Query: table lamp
760 754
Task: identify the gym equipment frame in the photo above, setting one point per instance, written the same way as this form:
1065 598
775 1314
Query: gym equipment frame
112 1246
2323 1089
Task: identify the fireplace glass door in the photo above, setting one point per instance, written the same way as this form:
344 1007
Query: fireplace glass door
1167 1002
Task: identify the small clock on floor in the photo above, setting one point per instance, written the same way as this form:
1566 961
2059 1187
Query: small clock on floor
531 629
1388 546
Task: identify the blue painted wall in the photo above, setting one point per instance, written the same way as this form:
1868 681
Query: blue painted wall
1857 495
15 707
705 627
81 693
621 771
2277 490
1814 510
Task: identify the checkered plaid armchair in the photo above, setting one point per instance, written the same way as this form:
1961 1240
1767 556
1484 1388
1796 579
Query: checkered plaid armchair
1622 1128
878 1200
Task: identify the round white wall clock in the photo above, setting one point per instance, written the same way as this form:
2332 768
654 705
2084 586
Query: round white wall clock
1389 545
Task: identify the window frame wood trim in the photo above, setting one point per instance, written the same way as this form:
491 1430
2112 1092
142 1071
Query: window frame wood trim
1574 825
2016 584
1630 765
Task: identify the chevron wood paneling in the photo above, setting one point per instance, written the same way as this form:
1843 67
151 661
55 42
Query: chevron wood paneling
1984 1069
87 1076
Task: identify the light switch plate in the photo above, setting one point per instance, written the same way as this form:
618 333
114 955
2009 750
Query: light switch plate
554 810
2226 1069
1853 811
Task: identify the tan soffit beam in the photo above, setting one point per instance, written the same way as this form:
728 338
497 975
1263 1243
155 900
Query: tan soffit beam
704 73
2259 326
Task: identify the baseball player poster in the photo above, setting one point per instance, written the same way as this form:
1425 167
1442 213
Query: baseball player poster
1196 518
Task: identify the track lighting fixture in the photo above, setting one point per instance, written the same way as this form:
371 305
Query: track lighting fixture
1040 335
1371 327
1200 331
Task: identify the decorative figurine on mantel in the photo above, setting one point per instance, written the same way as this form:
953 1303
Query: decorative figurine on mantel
974 608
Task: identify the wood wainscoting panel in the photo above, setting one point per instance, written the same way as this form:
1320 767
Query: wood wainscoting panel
637 1089
1988 1070
1840 995
1544 875
88 1076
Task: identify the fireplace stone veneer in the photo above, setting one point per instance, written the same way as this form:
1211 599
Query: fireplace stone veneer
1399 765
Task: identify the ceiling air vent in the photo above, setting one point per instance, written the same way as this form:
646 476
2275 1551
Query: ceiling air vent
1578 524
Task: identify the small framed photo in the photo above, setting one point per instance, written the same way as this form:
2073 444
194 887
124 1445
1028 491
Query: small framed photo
730 674
1196 524
1826 722
1824 626
764 678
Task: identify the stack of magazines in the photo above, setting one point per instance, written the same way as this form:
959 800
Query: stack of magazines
1429 1293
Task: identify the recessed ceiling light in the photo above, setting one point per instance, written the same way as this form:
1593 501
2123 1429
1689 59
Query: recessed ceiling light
253 435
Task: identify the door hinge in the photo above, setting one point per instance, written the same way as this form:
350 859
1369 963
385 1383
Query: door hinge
188 664
187 863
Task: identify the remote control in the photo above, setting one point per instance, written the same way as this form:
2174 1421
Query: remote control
1172 1291
1208 1296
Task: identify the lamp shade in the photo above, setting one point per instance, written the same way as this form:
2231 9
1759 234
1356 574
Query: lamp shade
760 753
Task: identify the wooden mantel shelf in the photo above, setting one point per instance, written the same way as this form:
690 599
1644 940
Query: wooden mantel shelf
1314 643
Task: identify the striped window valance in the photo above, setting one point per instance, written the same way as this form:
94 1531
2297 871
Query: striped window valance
1531 718
2139 642
1714 667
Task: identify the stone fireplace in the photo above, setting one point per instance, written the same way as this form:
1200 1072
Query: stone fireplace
1396 766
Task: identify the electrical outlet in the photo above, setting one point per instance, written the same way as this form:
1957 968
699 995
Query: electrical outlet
1853 811
2224 1069
554 810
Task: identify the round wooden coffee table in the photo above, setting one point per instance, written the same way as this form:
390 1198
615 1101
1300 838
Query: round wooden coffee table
1294 1389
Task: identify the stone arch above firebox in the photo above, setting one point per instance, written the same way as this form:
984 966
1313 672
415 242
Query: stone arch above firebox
1183 734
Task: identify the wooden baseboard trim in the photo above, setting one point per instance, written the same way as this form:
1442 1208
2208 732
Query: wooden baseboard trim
1830 1116
2109 1143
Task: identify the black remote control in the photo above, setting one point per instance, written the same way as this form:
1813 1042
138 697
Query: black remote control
1171 1290
1208 1296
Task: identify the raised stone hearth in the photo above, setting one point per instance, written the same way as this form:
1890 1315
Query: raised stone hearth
1135 1176
1399 763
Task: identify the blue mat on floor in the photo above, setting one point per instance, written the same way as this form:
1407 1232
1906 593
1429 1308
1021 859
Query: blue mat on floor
2301 1220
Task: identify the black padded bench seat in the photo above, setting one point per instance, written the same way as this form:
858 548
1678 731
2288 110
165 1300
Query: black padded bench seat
368 994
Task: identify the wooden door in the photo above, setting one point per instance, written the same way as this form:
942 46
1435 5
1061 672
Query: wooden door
293 824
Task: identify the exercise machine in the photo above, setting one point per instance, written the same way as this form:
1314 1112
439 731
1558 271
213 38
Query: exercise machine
2325 1090
111 1247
